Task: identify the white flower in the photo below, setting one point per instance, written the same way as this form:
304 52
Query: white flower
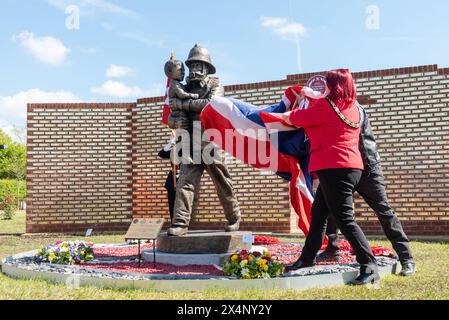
245 272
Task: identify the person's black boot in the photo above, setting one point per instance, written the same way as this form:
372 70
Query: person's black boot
367 276
299 264
408 269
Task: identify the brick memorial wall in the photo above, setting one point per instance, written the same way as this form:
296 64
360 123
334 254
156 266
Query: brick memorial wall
79 172
96 165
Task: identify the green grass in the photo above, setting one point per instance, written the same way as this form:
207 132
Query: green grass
431 281
14 226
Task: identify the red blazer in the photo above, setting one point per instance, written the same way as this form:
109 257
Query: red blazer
334 144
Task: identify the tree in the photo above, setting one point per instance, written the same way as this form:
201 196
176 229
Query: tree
13 159
19 134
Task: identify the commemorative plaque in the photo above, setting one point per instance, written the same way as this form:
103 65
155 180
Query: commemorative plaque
317 83
145 229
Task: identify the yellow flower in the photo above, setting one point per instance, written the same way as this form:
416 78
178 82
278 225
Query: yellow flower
234 257
261 262
243 263
51 257
250 259
265 268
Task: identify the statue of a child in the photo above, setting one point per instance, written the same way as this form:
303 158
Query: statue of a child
175 71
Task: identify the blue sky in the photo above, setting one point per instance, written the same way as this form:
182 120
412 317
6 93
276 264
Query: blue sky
119 50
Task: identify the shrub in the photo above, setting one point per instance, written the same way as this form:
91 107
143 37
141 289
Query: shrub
8 207
9 188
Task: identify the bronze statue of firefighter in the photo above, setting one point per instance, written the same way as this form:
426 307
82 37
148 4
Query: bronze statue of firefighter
186 103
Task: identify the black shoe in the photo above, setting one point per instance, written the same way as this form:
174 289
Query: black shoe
366 278
299 264
408 269
329 256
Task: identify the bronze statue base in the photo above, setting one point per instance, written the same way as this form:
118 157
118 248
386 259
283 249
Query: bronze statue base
203 242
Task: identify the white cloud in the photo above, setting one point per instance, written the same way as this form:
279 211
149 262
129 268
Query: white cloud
116 71
282 27
89 7
118 89
290 31
13 109
272 22
46 49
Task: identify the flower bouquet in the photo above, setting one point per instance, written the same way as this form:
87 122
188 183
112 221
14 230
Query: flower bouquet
252 265
66 252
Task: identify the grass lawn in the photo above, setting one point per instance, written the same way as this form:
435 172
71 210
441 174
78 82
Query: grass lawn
431 281
14 226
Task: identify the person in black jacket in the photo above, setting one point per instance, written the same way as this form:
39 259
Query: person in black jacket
372 189
170 186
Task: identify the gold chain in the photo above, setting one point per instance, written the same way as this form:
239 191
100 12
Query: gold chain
342 117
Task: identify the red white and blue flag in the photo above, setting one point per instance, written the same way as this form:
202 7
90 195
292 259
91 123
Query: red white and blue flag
166 109
264 139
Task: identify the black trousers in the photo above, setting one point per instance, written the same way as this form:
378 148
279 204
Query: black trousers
335 197
372 189
171 196
171 193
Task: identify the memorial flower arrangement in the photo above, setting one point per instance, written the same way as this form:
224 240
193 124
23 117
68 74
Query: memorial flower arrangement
66 252
252 265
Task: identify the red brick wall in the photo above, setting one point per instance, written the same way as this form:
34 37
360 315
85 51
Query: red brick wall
79 167
408 108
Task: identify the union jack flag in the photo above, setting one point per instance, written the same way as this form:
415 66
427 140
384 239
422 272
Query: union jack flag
264 139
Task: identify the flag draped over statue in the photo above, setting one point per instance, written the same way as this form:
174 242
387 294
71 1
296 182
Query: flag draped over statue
262 138
166 109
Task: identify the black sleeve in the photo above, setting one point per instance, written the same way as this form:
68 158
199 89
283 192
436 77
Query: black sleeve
164 154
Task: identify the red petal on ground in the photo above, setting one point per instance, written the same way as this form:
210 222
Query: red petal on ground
120 252
284 253
148 268
382 251
261 240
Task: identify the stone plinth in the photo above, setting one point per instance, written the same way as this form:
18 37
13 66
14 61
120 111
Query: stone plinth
203 242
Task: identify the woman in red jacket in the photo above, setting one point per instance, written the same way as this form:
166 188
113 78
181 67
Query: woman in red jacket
333 127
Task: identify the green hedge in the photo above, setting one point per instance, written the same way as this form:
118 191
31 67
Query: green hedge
10 187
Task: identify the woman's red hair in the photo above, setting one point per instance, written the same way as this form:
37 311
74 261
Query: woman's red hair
341 86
